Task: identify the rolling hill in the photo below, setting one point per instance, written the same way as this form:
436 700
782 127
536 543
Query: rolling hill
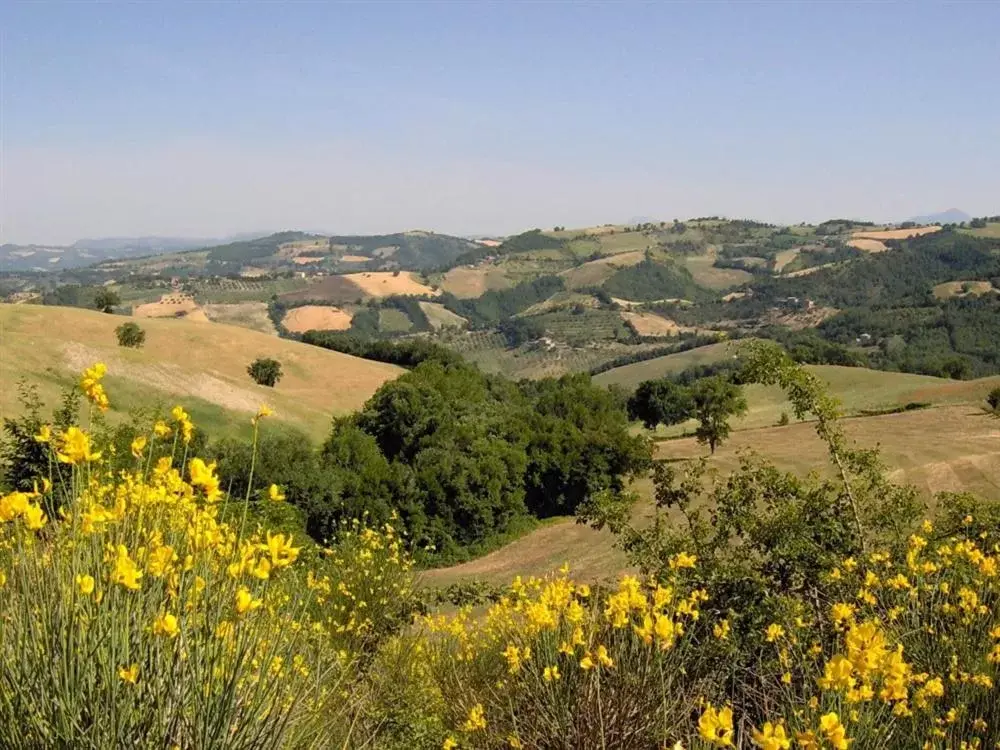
199 364
962 455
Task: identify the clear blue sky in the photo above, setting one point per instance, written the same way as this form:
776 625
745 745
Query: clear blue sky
204 119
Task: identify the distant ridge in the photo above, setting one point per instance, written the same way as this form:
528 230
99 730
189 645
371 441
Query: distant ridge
951 216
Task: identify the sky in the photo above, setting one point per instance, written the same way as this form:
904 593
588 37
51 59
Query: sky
206 119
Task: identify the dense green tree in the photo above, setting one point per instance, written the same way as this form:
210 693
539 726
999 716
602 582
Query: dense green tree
715 401
993 400
130 335
578 444
660 402
265 371
106 300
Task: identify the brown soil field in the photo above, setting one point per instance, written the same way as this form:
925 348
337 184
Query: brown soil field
895 234
168 306
387 283
649 324
316 318
303 261
334 289
355 258
868 245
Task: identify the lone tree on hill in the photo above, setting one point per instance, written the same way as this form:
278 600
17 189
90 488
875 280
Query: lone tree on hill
993 401
130 335
660 402
106 300
265 371
715 401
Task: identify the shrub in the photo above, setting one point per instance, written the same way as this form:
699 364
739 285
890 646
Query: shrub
106 300
993 400
265 371
147 611
130 335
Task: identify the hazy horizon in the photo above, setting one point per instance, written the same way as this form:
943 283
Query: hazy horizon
210 120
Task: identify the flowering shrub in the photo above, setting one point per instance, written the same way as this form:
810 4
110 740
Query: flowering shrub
150 610
554 659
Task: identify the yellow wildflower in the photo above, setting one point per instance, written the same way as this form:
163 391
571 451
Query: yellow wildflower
44 434
551 673
721 630
274 494
138 446
835 732
772 737
476 721
75 447
716 726
166 624
449 743
34 517
125 572
601 654
774 632
129 674
85 584
203 476
245 601
682 560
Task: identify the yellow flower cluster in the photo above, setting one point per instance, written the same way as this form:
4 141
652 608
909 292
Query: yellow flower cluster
145 583
91 385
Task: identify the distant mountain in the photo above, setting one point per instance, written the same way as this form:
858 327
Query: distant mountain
142 244
951 216
90 250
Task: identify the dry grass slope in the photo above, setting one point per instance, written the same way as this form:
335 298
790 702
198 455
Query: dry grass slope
200 364
316 318
387 283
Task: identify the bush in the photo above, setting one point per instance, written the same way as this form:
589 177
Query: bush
265 371
993 400
148 612
130 335
106 300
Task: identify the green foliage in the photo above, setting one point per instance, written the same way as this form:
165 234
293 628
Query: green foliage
106 300
406 353
715 401
658 402
519 331
415 250
578 444
261 247
23 459
130 335
651 280
993 400
265 371
530 240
